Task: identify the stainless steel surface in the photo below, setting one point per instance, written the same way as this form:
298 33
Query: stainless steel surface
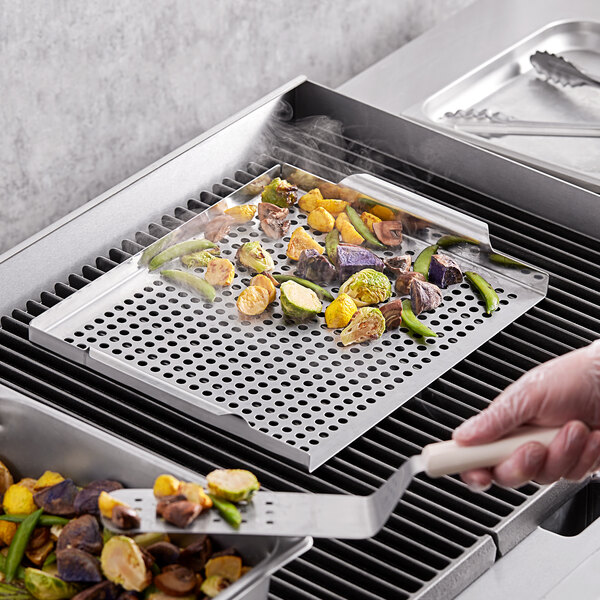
552 563
509 84
490 124
204 359
558 69
85 453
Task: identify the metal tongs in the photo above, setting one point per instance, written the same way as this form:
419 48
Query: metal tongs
497 124
559 70
292 514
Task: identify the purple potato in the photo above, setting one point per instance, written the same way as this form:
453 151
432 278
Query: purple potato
352 259
78 566
164 553
86 500
315 267
444 271
82 533
58 499
105 590
424 296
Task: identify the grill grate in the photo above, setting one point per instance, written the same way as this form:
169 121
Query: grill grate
437 523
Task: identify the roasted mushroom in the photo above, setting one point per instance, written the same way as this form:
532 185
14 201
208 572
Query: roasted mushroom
398 264
75 565
424 296
125 517
392 313
218 228
273 220
58 499
82 533
6 480
181 513
165 501
176 581
444 271
388 232
404 280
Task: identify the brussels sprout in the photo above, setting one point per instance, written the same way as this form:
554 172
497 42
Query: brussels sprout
254 256
368 323
367 287
123 563
233 484
280 193
298 303
43 586
78 566
229 567
82 533
200 258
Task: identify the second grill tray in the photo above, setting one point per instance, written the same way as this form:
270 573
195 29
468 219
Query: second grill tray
292 389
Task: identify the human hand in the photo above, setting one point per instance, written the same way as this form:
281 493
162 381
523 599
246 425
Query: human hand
564 392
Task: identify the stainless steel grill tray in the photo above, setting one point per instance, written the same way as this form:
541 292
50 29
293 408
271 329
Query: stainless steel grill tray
293 389
509 84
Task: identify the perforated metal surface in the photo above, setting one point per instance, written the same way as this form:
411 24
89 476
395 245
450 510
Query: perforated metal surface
298 390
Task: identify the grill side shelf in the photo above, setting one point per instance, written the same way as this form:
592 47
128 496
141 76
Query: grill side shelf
291 389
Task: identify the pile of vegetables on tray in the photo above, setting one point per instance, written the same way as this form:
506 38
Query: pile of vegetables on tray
362 310
53 546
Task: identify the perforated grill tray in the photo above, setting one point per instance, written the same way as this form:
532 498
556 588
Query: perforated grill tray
293 389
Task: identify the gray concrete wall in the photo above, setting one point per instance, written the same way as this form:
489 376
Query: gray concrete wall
93 91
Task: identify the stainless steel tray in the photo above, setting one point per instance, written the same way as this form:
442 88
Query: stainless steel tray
85 453
509 84
293 389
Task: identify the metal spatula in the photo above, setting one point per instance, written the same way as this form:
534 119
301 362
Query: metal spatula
293 514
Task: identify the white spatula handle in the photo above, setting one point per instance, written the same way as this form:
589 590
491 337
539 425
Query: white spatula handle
448 458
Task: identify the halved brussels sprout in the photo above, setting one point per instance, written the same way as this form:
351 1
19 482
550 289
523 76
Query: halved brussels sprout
43 586
368 323
123 563
367 287
232 484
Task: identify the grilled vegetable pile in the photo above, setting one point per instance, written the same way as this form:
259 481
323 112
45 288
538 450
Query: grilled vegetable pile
348 259
55 549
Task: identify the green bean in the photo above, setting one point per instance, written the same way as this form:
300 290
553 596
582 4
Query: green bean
485 289
16 550
192 281
321 292
410 320
505 261
20 570
12 592
227 510
422 262
179 250
45 520
362 229
50 560
452 240
331 243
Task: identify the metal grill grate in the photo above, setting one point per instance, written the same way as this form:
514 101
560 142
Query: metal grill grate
438 523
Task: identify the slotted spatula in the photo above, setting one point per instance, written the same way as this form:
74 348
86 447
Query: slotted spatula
292 514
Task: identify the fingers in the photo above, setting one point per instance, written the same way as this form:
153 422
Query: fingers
589 459
564 452
479 480
522 466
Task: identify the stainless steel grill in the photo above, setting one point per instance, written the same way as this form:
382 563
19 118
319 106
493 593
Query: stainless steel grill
441 535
